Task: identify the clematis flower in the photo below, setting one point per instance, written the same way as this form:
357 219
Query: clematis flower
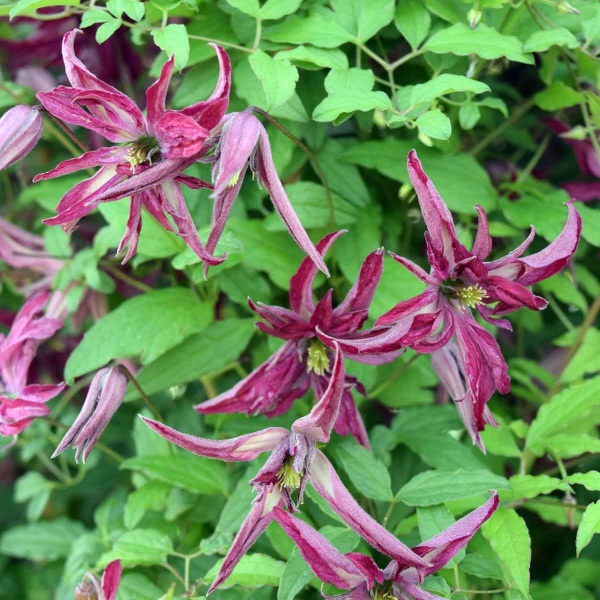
294 461
103 399
152 154
20 131
243 142
90 588
303 361
461 280
21 402
361 576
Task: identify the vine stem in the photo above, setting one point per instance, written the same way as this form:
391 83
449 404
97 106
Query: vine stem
141 392
139 285
311 157
526 172
81 145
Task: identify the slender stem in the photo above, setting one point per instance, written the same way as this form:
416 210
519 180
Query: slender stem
83 147
64 140
559 312
526 172
69 395
494 591
141 392
388 512
311 157
384 64
256 42
209 386
52 467
219 42
374 393
126 278
116 456
174 572
405 58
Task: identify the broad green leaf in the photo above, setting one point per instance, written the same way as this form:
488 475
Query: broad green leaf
367 474
132 329
150 495
484 41
558 95
199 355
468 115
94 16
47 540
565 445
135 586
311 57
107 30
509 537
540 41
363 19
314 29
253 570
445 84
139 547
589 480
276 9
413 21
590 525
435 124
481 566
500 440
278 77
433 520
34 489
452 11
349 91
435 487
196 474
250 7
173 39
529 486
587 358
24 7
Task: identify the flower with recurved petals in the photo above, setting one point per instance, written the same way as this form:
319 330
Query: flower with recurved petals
20 131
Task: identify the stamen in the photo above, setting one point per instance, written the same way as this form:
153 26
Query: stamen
471 295
286 476
318 357
141 151
233 181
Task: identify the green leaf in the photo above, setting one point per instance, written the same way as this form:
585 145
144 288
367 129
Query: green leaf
36 489
253 570
556 96
139 547
249 7
540 41
30 6
135 586
445 84
272 10
277 76
310 57
94 16
363 19
108 29
435 487
468 115
481 566
589 480
530 486
565 445
315 29
587 359
349 91
435 124
48 540
509 538
193 473
590 525
173 39
484 41
131 329
143 499
367 474
413 21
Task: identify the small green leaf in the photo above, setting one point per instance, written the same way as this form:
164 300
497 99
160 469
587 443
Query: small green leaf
468 115
530 486
138 502
445 84
311 57
315 29
249 7
253 570
589 480
173 39
556 96
139 547
589 526
272 10
435 124
363 19
94 16
30 6
413 21
481 566
540 41
277 76
106 30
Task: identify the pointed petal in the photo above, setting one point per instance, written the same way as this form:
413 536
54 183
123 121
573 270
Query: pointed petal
133 228
414 591
513 294
510 259
111 579
243 448
329 486
483 241
179 135
349 421
415 269
425 302
156 94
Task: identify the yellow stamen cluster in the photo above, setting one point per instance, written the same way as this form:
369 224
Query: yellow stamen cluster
233 181
318 357
471 295
384 593
141 151
288 478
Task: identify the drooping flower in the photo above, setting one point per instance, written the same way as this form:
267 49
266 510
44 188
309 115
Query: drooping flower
294 462
20 131
103 399
154 149
361 576
461 280
90 588
303 361
21 402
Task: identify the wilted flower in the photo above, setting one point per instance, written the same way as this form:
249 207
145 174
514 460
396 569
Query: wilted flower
461 280
304 361
155 149
92 589
20 402
20 130
360 574
103 399
294 461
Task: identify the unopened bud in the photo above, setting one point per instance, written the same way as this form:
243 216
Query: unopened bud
474 16
577 133
20 131
379 119
425 139
89 588
565 7
406 190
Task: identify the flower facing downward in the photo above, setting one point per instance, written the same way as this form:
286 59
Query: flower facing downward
20 131
104 397
294 461
92 589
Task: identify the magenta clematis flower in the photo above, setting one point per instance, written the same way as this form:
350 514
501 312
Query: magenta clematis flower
243 142
303 361
20 131
294 461
20 402
103 399
361 576
154 149
461 280
92 589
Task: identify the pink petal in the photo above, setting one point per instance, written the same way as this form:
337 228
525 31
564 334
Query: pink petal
510 259
20 131
179 135
95 158
483 241
415 269
156 94
425 302
111 579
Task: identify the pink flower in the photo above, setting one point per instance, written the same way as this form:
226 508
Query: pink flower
294 462
92 589
461 280
20 402
154 149
361 576
20 131
303 361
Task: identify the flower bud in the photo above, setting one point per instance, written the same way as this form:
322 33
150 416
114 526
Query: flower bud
474 16
566 8
20 131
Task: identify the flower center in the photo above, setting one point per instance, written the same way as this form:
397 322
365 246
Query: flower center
383 591
141 151
471 295
286 476
318 357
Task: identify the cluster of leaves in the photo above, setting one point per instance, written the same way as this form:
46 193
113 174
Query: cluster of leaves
361 82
